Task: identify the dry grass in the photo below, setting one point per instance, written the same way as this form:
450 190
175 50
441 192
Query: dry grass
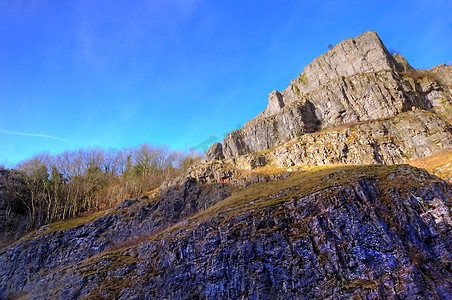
421 74
341 127
74 222
361 283
266 170
434 161
301 183
66 224
153 192
439 164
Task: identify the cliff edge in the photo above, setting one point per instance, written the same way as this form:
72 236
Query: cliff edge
357 80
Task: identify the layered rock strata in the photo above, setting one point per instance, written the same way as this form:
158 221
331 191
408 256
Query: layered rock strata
358 232
407 136
357 80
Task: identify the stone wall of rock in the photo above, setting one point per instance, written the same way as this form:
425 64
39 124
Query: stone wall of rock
383 232
410 135
357 80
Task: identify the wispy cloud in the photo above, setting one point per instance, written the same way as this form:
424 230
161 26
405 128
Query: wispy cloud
36 135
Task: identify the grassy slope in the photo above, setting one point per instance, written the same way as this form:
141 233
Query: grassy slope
304 180
439 164
299 184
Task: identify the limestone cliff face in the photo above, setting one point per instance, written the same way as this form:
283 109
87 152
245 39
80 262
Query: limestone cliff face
357 80
399 139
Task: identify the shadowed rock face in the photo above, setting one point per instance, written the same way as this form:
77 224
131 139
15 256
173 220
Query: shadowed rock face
215 151
55 246
369 232
357 80
357 243
47 249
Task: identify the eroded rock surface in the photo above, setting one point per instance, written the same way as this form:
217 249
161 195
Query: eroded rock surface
66 243
370 232
407 136
357 80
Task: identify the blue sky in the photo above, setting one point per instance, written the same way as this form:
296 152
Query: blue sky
100 73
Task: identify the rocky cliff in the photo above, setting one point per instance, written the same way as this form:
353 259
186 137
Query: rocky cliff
357 80
370 232
399 139
309 200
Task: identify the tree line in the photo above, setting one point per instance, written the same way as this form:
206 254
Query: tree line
47 188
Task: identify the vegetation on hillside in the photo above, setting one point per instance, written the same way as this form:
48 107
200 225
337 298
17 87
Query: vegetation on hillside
48 188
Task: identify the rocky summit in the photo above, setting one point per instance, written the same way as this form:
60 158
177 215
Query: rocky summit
358 80
326 194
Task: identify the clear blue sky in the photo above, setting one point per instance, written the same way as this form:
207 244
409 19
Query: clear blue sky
176 72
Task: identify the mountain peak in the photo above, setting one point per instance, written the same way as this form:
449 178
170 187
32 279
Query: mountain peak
357 80
363 54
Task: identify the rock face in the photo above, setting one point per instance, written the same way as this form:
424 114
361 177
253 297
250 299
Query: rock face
55 246
215 152
64 244
357 80
407 136
366 232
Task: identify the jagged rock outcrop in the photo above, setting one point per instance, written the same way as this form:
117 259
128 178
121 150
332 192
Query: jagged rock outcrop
215 152
357 80
366 232
407 136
